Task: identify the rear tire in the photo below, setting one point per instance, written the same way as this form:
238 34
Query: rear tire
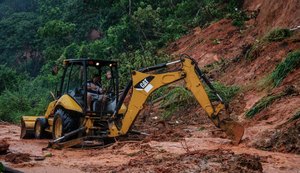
63 123
39 128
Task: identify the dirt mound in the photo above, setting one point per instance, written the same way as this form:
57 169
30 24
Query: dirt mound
17 157
285 14
284 139
243 70
196 161
220 40
3 146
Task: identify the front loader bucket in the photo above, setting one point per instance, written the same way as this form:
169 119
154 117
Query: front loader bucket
27 126
233 129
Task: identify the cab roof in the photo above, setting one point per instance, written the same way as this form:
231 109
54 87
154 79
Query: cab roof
90 62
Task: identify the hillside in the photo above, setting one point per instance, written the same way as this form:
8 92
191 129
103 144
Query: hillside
247 58
253 59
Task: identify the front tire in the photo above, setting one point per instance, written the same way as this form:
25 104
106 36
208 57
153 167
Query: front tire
63 123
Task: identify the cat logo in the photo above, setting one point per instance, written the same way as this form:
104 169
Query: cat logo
145 84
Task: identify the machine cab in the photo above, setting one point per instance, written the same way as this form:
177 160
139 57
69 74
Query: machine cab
77 76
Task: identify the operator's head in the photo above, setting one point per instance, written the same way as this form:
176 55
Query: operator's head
96 78
108 74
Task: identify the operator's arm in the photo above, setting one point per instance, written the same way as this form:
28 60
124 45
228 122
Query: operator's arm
93 88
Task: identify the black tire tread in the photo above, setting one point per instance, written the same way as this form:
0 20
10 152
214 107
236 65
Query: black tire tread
69 123
43 123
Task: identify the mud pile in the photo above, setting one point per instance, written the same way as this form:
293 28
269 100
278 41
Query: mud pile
196 161
242 57
3 146
17 158
286 139
273 13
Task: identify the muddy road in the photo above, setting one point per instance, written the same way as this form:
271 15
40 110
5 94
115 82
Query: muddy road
204 150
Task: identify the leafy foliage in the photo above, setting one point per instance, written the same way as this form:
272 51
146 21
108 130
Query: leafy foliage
291 62
264 103
176 99
254 51
295 117
274 35
56 29
29 98
226 92
8 78
278 34
180 98
35 35
239 18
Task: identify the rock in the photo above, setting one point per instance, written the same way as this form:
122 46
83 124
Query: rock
39 158
17 158
3 146
48 155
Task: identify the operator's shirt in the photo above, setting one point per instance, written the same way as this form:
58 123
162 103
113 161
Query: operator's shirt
97 88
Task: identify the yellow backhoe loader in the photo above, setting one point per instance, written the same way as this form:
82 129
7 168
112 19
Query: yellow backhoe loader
70 121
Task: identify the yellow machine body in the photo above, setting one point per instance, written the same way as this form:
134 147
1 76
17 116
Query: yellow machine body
193 83
68 103
142 85
27 126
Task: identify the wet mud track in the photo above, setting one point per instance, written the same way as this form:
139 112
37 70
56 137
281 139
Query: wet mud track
199 152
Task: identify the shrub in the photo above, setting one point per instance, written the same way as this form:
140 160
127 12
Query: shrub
29 98
226 92
238 18
176 99
291 62
278 34
295 117
254 51
274 35
135 61
9 78
180 98
261 104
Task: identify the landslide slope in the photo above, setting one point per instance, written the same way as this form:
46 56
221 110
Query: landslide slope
248 57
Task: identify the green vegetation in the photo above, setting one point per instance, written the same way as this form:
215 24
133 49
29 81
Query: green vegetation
238 18
218 66
201 128
265 102
176 99
226 92
35 35
291 62
274 35
278 34
216 41
254 51
295 117
27 98
2 169
159 93
180 98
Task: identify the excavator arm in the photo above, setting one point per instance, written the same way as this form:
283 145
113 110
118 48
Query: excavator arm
143 84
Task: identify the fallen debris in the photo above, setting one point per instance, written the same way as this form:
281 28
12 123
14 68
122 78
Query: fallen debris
3 146
39 158
196 161
285 139
17 158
